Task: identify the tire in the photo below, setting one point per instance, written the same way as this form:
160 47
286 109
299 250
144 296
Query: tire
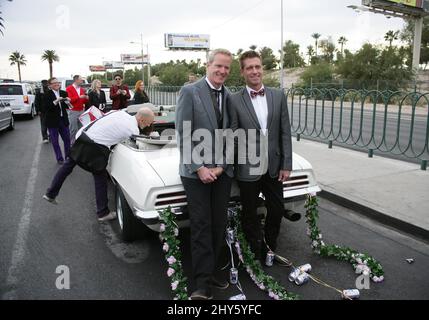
11 124
130 227
32 113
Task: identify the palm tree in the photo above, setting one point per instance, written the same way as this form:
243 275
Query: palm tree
342 41
1 23
51 57
18 59
391 36
310 53
316 37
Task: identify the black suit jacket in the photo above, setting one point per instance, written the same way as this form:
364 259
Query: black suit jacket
55 113
95 99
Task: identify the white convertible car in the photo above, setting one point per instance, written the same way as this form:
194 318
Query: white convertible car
145 174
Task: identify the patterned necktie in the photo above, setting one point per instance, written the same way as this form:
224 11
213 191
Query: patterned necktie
254 94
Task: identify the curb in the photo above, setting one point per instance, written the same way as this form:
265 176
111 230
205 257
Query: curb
412 230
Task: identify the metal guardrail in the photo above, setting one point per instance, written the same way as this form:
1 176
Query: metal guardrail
396 123
391 122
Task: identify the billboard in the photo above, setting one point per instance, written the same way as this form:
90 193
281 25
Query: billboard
416 8
130 58
113 65
177 41
97 68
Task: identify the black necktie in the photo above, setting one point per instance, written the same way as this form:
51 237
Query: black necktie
217 94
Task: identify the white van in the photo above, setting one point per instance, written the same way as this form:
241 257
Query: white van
20 96
65 82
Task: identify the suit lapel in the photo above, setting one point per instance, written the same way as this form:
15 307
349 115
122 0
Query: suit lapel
249 105
270 105
205 97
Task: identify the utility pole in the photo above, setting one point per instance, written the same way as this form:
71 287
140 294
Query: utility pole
418 28
148 64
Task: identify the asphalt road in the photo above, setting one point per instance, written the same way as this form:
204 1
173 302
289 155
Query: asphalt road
36 237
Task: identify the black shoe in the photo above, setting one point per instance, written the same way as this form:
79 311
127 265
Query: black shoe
282 261
201 294
219 284
60 162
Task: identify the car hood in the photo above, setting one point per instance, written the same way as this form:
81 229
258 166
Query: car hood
166 164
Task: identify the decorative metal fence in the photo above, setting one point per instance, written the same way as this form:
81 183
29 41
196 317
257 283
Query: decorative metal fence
390 122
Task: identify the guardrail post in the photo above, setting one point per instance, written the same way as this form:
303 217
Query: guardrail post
370 153
298 137
424 165
330 144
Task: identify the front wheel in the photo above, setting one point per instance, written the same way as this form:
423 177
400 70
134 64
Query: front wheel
32 113
130 227
11 123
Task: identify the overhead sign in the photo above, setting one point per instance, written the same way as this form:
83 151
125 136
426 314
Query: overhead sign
414 8
97 68
131 58
177 41
113 65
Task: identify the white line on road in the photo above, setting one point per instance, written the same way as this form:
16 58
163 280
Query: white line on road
18 253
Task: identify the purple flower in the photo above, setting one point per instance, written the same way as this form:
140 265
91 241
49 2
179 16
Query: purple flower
162 227
170 272
171 260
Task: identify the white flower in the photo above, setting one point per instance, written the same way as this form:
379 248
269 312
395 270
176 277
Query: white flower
174 285
162 227
261 286
313 194
359 260
170 272
176 232
319 236
271 294
322 243
308 232
315 244
171 260
378 279
166 247
276 297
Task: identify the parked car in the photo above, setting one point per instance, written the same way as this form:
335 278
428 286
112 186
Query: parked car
6 116
146 178
65 82
20 96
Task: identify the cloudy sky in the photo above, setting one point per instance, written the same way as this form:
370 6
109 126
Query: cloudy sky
86 32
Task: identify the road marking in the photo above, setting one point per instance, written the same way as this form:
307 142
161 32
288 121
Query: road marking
135 252
18 253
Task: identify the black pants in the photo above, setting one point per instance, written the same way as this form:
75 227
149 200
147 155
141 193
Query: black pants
43 127
207 204
272 189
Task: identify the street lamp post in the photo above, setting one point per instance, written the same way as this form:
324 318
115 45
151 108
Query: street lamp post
142 54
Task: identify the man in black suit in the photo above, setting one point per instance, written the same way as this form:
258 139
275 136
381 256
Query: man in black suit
206 176
56 105
40 108
264 111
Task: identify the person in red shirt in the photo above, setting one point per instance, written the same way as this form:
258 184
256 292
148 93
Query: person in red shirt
119 93
78 98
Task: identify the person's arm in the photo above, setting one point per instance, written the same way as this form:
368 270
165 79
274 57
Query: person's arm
74 98
286 141
114 92
128 95
145 97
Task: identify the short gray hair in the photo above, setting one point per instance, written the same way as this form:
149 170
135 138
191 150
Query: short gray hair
218 51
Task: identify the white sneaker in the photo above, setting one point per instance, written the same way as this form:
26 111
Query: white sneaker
45 141
51 200
108 217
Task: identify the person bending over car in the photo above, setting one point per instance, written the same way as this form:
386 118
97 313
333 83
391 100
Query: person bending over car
104 132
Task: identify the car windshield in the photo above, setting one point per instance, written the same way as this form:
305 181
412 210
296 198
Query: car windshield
10 90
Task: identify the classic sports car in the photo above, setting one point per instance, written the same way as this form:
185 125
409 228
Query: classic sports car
144 171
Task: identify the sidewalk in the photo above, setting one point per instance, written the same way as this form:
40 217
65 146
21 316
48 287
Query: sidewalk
391 191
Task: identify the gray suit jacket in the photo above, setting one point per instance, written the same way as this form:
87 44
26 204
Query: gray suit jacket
195 107
243 116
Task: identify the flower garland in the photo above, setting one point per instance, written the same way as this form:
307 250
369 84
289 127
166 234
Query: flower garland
362 263
253 267
169 232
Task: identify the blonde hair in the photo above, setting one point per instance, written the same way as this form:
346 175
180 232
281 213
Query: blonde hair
215 52
94 84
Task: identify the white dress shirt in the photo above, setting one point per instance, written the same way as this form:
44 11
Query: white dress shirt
112 128
77 88
220 94
261 108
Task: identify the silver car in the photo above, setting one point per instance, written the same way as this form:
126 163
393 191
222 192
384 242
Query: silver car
6 116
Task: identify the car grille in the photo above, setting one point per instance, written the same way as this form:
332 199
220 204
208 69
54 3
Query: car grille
296 182
170 199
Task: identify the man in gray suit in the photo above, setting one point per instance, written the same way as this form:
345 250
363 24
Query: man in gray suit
263 111
206 177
